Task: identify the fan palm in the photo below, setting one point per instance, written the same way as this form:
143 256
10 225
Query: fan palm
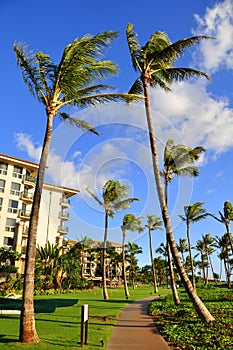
153 223
154 62
192 213
114 199
130 223
57 87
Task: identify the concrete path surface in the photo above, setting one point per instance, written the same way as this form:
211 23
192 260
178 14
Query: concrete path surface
135 329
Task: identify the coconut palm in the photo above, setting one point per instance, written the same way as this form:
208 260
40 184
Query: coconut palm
226 217
224 245
57 87
132 250
114 199
192 213
130 223
153 223
183 247
209 244
154 62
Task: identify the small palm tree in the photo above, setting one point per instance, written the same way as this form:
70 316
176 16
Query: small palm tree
115 198
183 248
154 62
132 250
153 223
192 213
58 87
209 244
223 244
130 223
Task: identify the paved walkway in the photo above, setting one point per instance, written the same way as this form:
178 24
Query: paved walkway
135 329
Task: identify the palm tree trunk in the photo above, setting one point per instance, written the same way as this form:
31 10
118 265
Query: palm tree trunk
229 235
199 306
127 295
28 332
104 282
152 263
176 298
190 254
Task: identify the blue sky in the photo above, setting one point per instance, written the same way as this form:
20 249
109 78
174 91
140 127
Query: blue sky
196 112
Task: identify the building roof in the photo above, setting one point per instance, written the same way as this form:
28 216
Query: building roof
66 190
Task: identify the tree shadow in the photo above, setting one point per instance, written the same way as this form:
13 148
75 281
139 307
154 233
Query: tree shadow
40 306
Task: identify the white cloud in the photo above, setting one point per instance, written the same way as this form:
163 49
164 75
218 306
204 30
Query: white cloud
218 23
25 143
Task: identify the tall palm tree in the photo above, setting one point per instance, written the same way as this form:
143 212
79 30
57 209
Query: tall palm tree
183 247
130 223
153 223
154 62
224 245
57 87
132 250
209 244
192 213
226 217
114 199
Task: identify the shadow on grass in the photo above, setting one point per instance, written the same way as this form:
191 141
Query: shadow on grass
41 306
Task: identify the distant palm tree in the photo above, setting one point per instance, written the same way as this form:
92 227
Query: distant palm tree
132 250
223 244
154 62
115 198
209 244
130 223
57 87
192 213
226 217
183 247
153 223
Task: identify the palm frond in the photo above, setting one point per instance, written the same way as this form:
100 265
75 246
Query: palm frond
124 204
134 45
179 74
81 124
136 88
95 197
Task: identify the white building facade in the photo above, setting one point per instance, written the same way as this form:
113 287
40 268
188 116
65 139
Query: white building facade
17 185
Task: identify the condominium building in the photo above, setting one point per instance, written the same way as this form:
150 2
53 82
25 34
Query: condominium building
17 185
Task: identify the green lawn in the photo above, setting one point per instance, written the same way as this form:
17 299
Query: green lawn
58 319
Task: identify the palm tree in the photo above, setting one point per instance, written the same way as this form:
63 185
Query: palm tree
223 244
160 269
114 199
153 223
133 249
162 249
209 244
226 217
192 213
183 248
154 62
130 223
57 87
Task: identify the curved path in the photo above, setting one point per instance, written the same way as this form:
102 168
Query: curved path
135 329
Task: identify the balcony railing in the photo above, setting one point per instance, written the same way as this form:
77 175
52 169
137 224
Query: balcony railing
26 197
63 216
29 180
62 230
24 214
65 203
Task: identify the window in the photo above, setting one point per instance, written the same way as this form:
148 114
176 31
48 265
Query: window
8 241
2 185
1 200
10 225
3 168
13 206
15 188
17 172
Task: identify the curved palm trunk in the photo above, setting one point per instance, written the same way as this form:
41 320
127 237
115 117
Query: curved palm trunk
127 295
169 258
28 332
190 254
199 306
152 263
104 282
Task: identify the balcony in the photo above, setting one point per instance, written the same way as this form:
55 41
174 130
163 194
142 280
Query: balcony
24 214
23 249
26 197
63 216
29 181
62 230
25 232
65 203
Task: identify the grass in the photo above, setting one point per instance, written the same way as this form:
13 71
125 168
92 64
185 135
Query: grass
58 319
181 326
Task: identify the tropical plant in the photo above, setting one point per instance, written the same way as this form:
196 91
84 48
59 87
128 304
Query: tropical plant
226 217
223 244
154 62
8 257
160 269
57 87
114 199
192 213
209 245
130 223
132 250
153 223
183 248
